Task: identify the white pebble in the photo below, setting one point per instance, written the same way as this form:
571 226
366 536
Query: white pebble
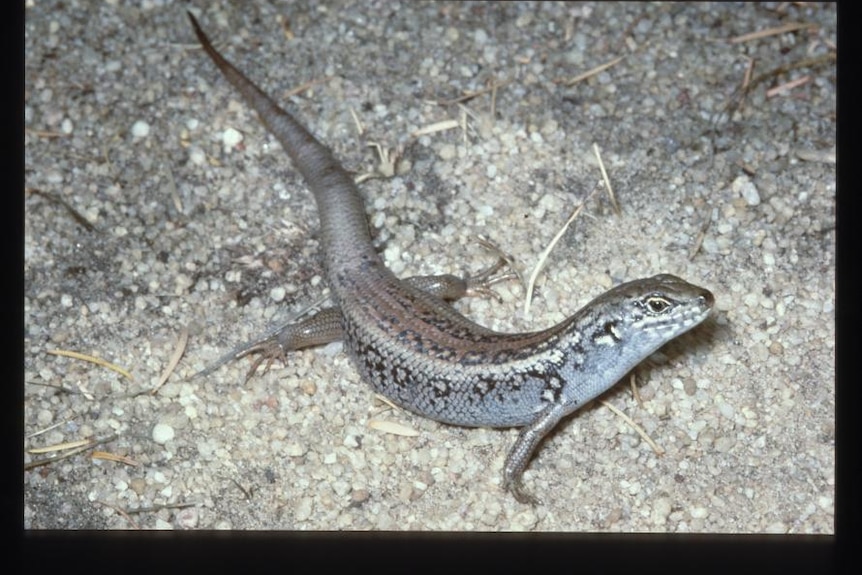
162 433
230 138
197 156
698 512
295 450
45 417
140 129
277 293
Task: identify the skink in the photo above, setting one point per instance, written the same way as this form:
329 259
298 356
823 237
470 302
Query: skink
414 348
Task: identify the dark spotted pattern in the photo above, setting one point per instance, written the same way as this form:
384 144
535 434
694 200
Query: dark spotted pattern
609 329
445 369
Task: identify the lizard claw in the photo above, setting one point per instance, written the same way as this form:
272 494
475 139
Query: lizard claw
269 350
480 283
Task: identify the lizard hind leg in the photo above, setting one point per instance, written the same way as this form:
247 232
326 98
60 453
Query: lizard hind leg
321 328
318 329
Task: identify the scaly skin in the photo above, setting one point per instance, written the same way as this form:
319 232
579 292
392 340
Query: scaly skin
418 351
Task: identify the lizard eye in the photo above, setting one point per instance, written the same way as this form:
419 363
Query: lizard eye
656 304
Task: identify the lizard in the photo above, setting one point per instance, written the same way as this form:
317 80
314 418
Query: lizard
414 348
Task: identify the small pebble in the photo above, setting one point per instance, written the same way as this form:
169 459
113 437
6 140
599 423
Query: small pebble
230 138
162 433
140 129
746 188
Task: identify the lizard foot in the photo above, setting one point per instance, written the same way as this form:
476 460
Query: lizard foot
480 283
268 350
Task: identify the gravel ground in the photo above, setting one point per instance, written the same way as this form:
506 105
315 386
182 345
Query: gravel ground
157 206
